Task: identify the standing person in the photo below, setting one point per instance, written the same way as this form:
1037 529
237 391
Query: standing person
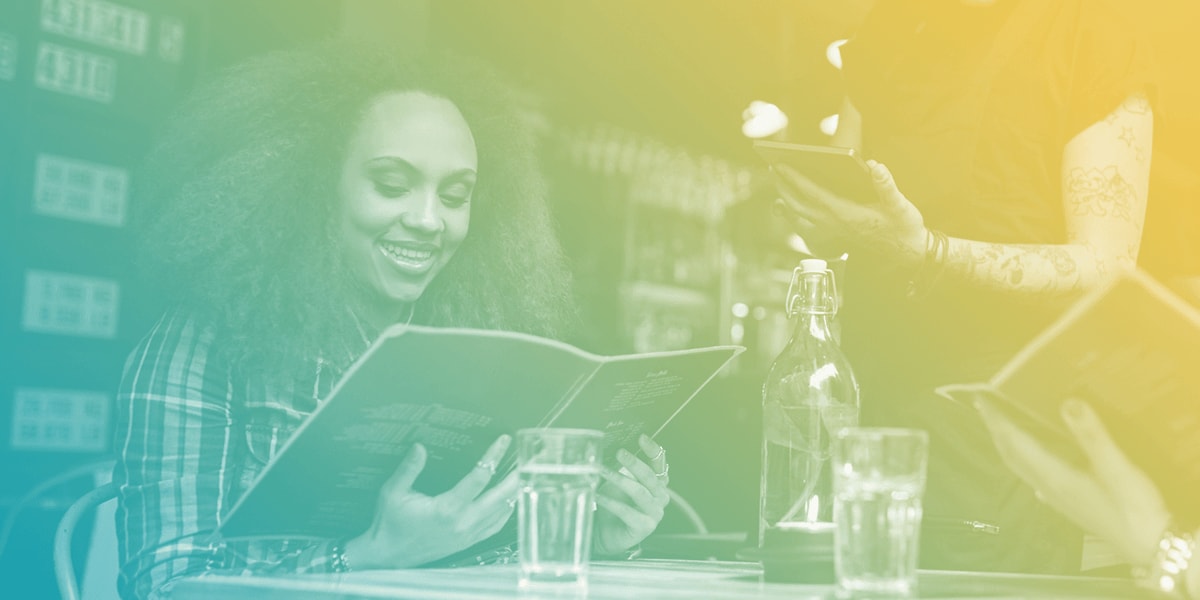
302 202
1017 138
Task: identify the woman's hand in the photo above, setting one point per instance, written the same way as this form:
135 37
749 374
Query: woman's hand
891 226
411 529
630 504
1111 498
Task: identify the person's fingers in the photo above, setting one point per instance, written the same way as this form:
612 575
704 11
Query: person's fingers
477 479
805 188
1135 513
410 467
1023 454
637 493
501 493
803 226
487 517
1107 460
658 461
654 482
791 209
1053 480
483 517
881 176
656 454
631 517
1112 498
640 470
1111 465
493 525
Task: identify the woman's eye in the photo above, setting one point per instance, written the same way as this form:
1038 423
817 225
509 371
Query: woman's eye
456 195
453 200
391 191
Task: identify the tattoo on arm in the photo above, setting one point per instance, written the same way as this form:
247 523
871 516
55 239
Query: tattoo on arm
1036 271
1104 180
1127 136
1100 264
1101 192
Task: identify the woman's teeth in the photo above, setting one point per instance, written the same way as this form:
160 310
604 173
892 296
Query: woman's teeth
406 256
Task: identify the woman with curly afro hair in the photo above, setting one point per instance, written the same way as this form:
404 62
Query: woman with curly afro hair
300 203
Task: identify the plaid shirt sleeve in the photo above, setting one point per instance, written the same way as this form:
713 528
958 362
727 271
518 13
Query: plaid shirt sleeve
176 468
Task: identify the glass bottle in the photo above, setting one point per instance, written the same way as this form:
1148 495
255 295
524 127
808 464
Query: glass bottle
809 394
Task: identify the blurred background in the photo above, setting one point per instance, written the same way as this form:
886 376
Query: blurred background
662 205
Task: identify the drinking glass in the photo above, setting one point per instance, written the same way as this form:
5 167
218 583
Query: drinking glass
558 471
878 481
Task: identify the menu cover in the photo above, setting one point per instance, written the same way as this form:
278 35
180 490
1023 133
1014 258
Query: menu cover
1131 350
454 391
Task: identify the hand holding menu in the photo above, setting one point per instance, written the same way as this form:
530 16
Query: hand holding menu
1132 351
454 391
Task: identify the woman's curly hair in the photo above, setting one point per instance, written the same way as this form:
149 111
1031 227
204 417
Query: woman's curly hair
241 207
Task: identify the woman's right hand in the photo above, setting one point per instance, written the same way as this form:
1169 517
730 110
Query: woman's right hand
411 529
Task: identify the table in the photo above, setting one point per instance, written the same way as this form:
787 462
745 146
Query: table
642 579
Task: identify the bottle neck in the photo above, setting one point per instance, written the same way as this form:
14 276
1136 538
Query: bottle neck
814 306
813 325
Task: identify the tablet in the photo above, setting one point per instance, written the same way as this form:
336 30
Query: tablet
839 170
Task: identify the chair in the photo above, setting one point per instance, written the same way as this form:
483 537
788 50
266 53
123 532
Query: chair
688 511
64 567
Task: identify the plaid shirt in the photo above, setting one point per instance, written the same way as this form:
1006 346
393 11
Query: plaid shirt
193 433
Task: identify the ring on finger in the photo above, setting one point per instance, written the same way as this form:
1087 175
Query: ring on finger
661 453
666 469
511 502
487 465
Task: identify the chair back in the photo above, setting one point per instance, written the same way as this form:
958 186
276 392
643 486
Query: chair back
64 566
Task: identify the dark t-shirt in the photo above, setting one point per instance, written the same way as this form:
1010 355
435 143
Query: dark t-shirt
970 108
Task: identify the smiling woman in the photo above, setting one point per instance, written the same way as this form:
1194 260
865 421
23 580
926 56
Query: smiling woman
298 204
241 225
405 194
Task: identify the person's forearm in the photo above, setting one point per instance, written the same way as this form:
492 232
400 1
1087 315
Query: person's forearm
1033 272
1105 180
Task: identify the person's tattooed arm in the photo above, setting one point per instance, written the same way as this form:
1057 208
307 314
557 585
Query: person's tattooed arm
1105 177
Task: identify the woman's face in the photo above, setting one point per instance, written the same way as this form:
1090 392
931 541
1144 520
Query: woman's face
405 193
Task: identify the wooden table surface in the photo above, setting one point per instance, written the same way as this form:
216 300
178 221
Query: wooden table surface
648 579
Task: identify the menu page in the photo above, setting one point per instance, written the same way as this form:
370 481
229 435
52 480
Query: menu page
1132 351
454 391
631 395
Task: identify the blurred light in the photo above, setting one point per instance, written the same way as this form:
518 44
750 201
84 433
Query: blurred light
833 53
760 313
740 310
737 333
797 243
829 124
762 119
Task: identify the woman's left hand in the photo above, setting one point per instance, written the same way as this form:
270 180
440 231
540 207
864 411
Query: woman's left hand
630 503
890 226
1110 498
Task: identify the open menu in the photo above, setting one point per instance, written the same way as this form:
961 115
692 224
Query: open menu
1132 351
454 391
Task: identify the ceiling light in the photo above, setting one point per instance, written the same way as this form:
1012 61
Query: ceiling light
833 53
762 119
